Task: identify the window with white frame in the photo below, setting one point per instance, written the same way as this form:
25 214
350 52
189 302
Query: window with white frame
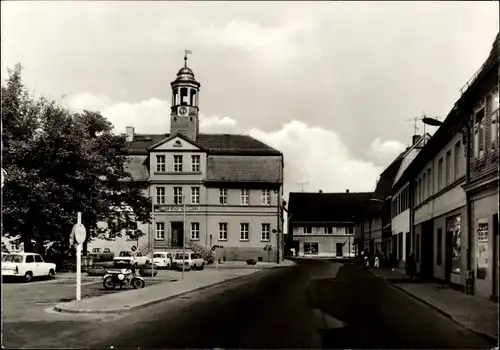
245 196
160 230
195 230
222 196
160 195
195 163
424 184
178 163
160 163
494 130
307 230
457 161
222 231
440 174
177 195
350 230
266 197
448 168
244 228
265 233
429 182
494 103
328 230
479 134
195 195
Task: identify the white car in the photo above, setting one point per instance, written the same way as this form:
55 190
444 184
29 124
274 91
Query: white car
192 261
163 259
126 257
27 266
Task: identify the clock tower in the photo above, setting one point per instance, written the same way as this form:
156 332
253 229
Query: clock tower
184 114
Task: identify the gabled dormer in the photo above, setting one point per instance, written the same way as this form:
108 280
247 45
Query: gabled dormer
177 155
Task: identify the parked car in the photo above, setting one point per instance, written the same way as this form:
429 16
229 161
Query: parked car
163 259
192 261
101 254
127 257
27 266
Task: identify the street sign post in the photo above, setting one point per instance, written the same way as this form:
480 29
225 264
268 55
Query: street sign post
80 235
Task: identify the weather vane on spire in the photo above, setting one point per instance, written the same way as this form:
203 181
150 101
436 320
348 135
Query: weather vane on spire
187 52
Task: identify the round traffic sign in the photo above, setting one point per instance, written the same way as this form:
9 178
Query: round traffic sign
80 233
134 248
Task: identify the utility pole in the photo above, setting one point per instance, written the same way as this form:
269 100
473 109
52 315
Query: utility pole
183 235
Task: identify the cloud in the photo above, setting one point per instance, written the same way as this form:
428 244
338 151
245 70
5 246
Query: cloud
385 151
313 155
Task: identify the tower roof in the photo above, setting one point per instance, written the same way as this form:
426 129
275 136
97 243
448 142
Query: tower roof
185 74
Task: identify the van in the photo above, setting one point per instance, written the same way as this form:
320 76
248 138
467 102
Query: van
163 259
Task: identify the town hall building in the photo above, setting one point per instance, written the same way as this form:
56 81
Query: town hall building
228 186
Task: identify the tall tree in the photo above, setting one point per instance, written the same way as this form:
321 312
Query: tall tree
58 163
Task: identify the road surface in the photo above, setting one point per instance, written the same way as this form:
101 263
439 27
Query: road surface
272 309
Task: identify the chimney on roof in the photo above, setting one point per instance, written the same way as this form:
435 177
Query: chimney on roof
415 139
320 191
130 133
347 191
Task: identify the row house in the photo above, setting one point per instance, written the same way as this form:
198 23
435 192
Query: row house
400 204
452 191
325 224
208 189
376 221
480 106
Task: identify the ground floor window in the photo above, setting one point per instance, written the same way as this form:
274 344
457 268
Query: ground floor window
453 226
160 230
482 250
195 230
311 248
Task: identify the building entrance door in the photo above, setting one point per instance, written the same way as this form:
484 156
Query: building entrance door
495 257
427 250
177 229
338 249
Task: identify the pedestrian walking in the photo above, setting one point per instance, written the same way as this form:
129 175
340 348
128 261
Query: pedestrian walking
377 262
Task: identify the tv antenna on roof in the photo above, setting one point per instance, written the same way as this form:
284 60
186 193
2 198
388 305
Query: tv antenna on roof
302 183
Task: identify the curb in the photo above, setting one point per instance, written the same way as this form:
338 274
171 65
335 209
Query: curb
125 310
488 337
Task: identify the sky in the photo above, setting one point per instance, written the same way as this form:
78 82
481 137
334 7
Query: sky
333 85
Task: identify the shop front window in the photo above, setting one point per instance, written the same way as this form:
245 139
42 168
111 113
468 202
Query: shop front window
454 228
482 250
311 248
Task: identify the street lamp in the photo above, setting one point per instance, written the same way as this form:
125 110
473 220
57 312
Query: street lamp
432 121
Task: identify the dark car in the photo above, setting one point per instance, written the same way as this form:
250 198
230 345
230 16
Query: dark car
101 254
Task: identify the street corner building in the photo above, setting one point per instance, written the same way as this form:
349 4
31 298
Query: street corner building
229 187
324 224
450 191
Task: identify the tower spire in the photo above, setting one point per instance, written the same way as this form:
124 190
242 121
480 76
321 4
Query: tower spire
186 52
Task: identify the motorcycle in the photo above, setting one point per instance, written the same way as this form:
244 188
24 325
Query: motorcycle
123 277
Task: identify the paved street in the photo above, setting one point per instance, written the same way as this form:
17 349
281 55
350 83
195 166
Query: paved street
268 310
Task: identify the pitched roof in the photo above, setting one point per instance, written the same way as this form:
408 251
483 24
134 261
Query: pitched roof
410 155
212 143
261 169
137 168
386 180
327 207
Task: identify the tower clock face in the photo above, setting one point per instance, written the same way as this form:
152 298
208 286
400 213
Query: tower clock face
183 111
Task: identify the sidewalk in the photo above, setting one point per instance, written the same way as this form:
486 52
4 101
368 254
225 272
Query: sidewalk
135 299
477 314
